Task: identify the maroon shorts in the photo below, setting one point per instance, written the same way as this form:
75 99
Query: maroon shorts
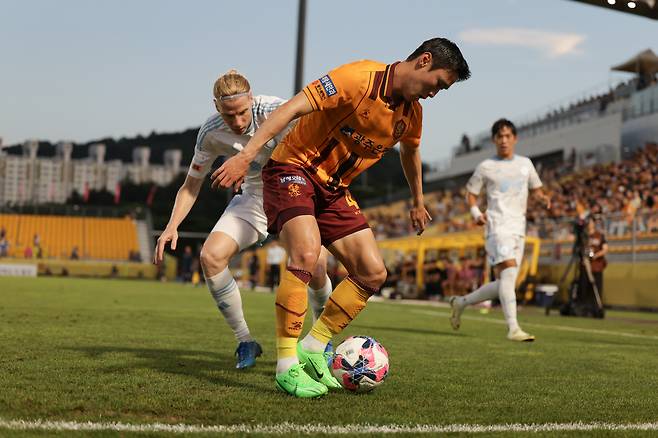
290 191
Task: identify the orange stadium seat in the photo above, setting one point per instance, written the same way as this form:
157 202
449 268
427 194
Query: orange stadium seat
96 238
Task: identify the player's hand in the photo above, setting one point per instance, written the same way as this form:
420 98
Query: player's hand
419 219
231 173
168 235
482 220
547 202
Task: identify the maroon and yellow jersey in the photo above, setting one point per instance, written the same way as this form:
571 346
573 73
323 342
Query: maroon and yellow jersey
353 123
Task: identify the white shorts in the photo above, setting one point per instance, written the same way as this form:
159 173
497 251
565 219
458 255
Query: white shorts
244 220
501 247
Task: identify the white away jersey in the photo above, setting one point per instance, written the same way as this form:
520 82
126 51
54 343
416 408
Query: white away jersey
216 139
506 183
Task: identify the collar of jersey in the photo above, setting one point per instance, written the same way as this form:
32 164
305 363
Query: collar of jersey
497 158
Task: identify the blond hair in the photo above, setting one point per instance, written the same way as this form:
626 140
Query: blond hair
230 83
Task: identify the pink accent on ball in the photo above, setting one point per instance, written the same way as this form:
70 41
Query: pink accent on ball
369 354
347 383
381 373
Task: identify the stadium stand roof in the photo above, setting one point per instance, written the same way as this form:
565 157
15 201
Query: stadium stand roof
644 63
644 8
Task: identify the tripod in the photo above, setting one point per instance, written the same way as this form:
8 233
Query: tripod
582 274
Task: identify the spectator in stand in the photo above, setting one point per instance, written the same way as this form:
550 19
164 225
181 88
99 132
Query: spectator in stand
254 269
598 248
75 254
275 256
186 265
4 243
432 278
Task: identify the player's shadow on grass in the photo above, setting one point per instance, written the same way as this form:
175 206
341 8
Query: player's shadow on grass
202 365
408 330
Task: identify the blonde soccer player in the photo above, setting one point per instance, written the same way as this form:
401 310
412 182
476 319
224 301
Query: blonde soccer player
243 223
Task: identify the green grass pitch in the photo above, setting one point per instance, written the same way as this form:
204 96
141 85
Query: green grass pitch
144 352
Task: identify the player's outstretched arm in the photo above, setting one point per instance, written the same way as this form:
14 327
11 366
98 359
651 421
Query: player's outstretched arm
413 172
231 173
185 199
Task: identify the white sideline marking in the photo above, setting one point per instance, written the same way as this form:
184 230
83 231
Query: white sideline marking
308 429
563 328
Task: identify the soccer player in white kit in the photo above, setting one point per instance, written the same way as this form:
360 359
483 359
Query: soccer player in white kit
243 223
507 178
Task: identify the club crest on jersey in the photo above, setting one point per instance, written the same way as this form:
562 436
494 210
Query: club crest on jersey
328 85
399 128
196 167
292 179
293 190
365 113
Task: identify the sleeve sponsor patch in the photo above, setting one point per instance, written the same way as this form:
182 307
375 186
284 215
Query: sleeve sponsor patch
328 85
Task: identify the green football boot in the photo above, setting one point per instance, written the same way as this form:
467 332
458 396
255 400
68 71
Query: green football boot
316 367
296 382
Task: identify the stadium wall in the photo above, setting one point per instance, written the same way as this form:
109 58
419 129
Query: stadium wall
626 285
585 136
637 132
99 269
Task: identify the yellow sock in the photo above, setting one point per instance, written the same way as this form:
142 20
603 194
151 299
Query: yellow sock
286 347
291 303
346 301
321 332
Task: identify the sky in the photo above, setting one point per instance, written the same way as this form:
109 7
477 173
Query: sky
81 70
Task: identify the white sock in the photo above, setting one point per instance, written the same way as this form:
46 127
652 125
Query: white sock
285 363
483 293
317 298
309 343
224 290
507 296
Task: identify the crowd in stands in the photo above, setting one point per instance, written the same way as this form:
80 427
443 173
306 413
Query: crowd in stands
621 193
445 273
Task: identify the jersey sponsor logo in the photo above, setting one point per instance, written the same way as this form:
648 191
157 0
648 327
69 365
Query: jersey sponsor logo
399 128
360 139
328 85
319 90
292 179
294 190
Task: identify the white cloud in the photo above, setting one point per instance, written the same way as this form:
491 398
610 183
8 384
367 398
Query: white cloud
552 44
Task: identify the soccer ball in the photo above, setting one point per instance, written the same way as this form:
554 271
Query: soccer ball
360 364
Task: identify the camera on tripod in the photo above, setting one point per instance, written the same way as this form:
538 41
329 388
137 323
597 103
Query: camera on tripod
584 295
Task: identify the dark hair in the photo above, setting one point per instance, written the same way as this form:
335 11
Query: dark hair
500 124
446 55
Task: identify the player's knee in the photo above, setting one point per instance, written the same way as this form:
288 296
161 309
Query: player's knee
304 259
375 276
213 259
